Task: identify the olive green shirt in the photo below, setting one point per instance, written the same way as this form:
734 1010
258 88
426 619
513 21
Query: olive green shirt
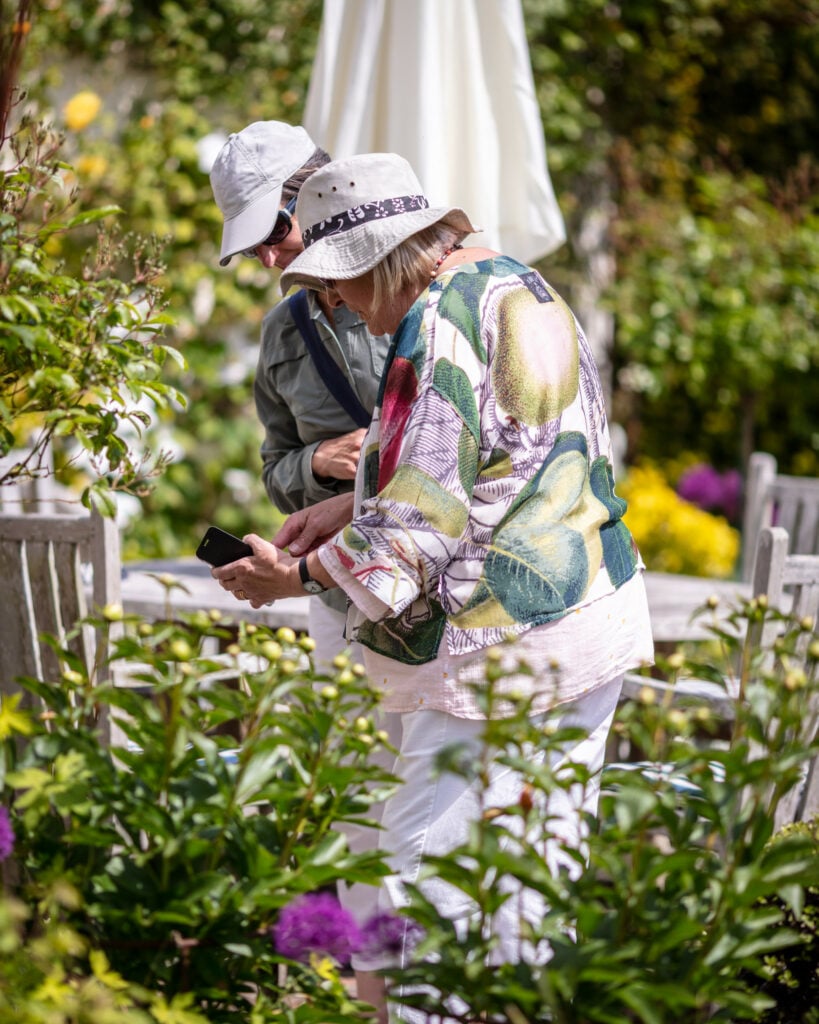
297 410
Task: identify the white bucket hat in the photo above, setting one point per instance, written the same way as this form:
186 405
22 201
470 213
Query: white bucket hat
354 212
247 178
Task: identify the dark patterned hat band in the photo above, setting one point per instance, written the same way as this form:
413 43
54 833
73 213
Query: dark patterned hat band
378 210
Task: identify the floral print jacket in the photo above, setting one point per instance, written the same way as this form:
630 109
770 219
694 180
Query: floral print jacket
486 501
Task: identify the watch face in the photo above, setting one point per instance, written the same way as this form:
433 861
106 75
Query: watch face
310 585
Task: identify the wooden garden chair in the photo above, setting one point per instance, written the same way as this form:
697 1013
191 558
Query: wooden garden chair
54 569
790 583
771 499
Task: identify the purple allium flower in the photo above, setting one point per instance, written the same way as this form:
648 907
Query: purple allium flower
316 923
6 834
390 935
711 490
701 485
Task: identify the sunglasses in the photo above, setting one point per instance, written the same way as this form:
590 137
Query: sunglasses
281 229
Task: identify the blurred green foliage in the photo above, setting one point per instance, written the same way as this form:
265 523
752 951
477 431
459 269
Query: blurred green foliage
690 121
78 352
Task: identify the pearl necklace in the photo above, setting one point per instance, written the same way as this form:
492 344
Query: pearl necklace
447 252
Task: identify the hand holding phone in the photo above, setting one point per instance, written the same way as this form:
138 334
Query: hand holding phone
218 547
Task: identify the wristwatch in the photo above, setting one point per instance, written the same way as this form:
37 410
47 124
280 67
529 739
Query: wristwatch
310 585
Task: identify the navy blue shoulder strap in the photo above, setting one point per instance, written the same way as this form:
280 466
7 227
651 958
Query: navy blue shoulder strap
337 383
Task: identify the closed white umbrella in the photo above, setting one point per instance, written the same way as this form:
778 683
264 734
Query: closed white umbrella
447 84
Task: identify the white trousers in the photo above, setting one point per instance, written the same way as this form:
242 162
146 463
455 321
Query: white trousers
432 815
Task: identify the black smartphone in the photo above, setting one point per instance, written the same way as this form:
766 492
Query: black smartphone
218 547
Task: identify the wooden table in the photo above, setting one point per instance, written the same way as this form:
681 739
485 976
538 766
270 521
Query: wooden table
672 599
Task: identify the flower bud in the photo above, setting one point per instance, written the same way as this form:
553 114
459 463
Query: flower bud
648 695
271 650
795 679
180 649
677 719
285 635
113 612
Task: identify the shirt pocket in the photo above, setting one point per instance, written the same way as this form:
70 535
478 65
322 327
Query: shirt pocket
312 406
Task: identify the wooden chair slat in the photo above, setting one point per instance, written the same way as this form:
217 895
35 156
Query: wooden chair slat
19 650
45 601
73 603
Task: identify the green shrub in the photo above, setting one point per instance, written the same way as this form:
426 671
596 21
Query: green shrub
214 808
791 976
48 975
79 360
684 900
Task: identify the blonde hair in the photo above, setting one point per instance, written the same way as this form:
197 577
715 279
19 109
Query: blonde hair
410 264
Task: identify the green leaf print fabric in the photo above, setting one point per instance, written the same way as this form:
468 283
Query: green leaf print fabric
487 501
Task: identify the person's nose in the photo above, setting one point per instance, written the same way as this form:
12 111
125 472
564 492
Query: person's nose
267 255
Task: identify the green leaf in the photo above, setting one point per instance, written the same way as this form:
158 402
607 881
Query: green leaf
91 216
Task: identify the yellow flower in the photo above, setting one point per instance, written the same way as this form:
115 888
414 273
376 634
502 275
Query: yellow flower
81 110
11 720
323 966
673 535
92 166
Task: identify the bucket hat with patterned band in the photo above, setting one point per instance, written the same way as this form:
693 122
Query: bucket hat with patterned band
354 212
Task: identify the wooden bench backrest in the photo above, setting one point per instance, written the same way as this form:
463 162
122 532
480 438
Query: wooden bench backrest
49 567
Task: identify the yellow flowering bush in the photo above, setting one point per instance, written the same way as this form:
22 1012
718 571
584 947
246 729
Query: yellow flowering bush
673 535
81 110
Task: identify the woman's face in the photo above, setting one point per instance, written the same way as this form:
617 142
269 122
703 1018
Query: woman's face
283 253
357 295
